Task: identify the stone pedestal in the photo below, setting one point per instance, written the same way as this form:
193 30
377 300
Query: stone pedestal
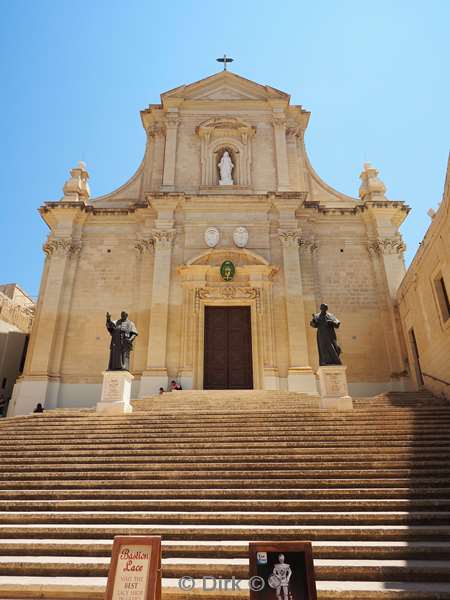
333 388
116 391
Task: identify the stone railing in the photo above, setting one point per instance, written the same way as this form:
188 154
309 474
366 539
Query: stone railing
15 314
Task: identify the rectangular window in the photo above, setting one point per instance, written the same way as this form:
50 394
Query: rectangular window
442 297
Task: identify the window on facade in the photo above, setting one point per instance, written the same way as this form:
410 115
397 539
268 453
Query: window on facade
442 297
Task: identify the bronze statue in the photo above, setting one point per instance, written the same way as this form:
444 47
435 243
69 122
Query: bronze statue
123 331
326 324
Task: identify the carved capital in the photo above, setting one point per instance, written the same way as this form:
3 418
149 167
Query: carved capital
156 130
386 246
308 245
144 245
163 238
61 248
172 120
289 238
279 120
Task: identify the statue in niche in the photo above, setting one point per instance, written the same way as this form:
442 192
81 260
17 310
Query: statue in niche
225 167
123 331
326 324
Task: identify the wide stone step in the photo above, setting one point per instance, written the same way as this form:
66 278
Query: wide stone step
93 588
177 420
231 549
243 483
344 453
226 493
138 434
163 464
380 532
206 505
204 472
230 517
325 569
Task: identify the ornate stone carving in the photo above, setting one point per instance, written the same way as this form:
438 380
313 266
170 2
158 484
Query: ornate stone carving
310 245
61 248
240 237
172 120
228 293
156 129
144 245
212 237
279 120
386 246
163 238
289 238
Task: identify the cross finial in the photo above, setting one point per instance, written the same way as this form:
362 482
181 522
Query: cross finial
225 60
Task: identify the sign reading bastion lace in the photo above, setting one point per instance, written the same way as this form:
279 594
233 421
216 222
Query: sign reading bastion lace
135 570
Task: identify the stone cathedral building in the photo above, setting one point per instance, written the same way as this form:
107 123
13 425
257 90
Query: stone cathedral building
156 245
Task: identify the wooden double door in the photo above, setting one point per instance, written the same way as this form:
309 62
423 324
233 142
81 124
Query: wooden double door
228 348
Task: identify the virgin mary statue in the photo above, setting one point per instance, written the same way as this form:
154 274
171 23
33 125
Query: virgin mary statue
225 167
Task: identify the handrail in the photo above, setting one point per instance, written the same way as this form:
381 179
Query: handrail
436 379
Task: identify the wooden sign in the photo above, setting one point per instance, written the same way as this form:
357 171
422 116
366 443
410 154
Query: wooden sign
135 569
281 571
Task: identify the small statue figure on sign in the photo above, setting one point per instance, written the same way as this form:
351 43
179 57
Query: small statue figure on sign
326 324
279 580
123 331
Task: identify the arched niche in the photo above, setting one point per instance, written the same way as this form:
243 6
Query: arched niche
218 135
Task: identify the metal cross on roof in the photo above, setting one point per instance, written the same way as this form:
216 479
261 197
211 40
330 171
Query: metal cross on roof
225 60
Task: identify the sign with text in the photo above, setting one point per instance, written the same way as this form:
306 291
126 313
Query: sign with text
282 571
135 569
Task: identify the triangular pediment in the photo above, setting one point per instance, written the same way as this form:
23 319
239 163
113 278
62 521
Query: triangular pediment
224 86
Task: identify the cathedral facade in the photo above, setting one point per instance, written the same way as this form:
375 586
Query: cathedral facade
220 248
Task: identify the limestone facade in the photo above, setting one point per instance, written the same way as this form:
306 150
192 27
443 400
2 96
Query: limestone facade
144 248
423 299
16 318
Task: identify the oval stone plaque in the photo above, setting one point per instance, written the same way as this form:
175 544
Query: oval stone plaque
240 237
212 237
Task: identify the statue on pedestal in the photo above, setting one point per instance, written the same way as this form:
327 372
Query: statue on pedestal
225 167
326 324
123 331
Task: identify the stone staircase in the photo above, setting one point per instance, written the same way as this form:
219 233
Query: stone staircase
209 471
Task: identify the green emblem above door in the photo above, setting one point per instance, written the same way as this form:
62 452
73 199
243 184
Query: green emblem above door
227 270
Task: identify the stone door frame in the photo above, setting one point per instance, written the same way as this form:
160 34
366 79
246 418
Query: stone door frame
255 335
203 286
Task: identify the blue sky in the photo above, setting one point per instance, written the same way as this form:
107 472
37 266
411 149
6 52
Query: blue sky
375 76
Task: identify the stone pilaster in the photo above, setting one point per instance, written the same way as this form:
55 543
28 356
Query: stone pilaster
300 374
155 374
170 150
41 378
281 155
382 251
